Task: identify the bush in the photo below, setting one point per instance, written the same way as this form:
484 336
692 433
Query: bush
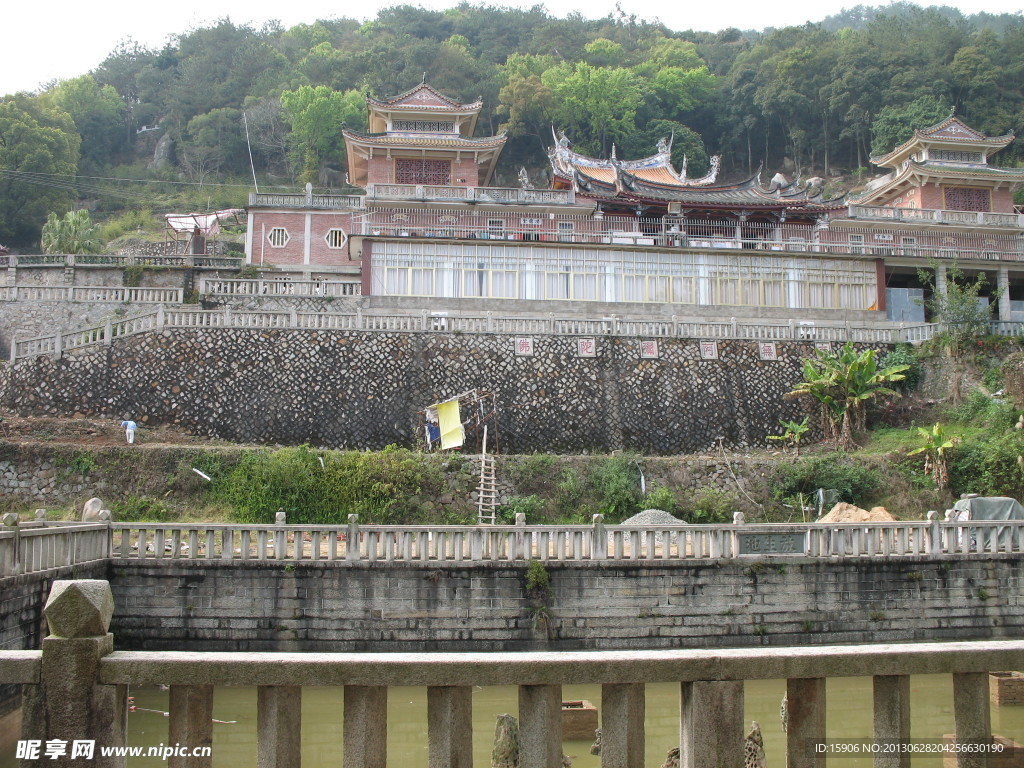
854 482
979 408
904 354
372 485
708 506
616 485
660 497
990 466
140 509
531 506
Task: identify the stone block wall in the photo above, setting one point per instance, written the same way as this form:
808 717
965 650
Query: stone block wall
353 389
601 605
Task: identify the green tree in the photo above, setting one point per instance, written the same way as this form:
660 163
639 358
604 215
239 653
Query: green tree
894 125
597 104
74 233
99 115
38 160
316 116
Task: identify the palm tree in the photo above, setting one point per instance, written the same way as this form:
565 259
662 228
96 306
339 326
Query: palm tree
75 233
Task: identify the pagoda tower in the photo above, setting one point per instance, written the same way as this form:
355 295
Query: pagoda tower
421 137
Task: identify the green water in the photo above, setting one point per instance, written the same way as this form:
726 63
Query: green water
848 717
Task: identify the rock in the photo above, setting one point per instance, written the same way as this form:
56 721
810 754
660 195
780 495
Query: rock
91 510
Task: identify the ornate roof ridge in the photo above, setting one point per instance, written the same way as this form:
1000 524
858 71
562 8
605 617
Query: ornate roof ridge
393 101
424 138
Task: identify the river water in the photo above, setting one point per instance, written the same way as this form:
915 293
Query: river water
848 716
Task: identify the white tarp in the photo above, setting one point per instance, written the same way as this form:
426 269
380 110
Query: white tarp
207 223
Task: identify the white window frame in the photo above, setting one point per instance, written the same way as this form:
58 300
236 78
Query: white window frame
332 239
275 239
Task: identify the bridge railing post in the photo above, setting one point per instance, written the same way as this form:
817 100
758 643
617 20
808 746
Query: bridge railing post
69 705
599 546
352 539
934 533
10 553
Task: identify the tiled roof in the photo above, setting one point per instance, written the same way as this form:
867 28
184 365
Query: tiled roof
423 96
442 141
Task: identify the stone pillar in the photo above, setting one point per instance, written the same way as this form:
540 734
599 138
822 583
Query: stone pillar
68 704
711 724
279 724
622 725
449 731
805 703
365 735
971 714
540 726
892 717
1003 313
191 726
11 564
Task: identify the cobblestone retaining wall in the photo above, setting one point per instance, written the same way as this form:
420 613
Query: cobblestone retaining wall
599 606
363 389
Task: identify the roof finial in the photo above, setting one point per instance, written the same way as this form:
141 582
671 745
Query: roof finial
424 80
952 111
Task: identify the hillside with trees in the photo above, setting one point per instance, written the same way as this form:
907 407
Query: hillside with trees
817 99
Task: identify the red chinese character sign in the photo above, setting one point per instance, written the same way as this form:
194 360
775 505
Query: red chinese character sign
586 348
767 350
709 350
524 346
649 350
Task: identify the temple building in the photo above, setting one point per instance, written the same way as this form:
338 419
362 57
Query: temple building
638 236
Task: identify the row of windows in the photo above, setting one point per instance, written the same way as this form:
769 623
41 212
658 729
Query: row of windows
278 237
795 291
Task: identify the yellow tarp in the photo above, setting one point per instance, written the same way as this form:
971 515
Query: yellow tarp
450 423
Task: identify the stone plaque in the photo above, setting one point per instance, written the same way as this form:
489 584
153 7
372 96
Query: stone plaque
649 349
767 543
767 350
586 348
524 346
709 350
823 346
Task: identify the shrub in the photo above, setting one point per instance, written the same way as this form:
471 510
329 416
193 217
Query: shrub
708 506
616 485
137 509
853 481
904 354
531 506
351 482
990 466
660 497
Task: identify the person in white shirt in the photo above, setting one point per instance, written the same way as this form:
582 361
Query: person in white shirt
129 430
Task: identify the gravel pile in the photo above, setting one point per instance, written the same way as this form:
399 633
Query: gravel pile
653 517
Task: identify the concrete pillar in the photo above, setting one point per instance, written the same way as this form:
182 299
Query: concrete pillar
805 703
711 724
622 725
365 735
971 714
191 712
892 717
449 726
1003 313
68 705
540 726
279 726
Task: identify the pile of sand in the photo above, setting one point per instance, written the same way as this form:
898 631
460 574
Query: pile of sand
849 513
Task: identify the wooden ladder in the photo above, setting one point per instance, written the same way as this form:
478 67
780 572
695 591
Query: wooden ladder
487 491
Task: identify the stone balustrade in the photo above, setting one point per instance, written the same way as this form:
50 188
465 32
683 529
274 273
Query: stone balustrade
76 688
426 322
40 545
